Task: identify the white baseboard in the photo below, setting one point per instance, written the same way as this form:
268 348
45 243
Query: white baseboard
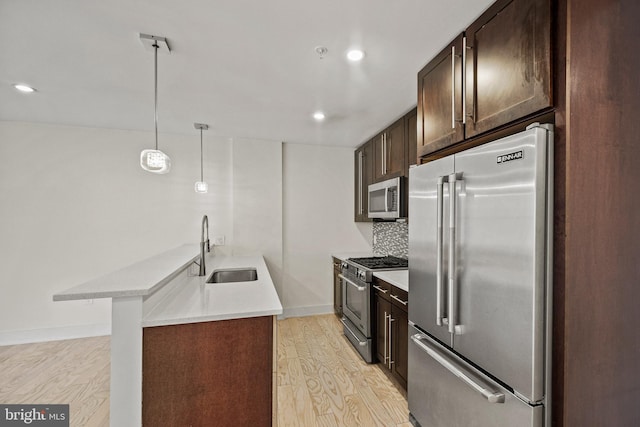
53 334
306 311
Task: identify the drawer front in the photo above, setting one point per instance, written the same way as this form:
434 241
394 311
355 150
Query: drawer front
399 298
381 288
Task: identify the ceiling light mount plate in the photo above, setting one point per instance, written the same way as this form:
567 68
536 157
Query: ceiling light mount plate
150 41
321 51
201 126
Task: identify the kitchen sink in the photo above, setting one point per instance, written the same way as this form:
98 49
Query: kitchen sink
233 275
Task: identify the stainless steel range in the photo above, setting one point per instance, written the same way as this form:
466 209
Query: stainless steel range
357 301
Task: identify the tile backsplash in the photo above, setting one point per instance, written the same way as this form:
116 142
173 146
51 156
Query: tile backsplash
391 238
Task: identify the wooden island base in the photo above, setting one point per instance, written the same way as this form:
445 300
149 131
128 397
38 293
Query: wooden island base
211 373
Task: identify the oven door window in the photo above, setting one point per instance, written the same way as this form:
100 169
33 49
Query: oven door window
355 299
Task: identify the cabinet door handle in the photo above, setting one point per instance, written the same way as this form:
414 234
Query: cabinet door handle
398 299
391 319
386 153
466 115
382 154
360 185
384 291
386 324
464 80
453 87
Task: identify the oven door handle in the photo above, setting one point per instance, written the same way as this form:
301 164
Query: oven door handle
352 283
360 343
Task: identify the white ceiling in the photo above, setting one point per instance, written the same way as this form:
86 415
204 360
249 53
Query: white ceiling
248 68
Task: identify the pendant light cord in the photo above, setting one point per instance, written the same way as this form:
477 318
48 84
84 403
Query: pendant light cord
155 88
201 167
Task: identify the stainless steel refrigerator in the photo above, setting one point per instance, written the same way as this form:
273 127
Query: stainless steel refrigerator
480 268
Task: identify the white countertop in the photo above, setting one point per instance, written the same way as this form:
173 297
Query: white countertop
139 279
189 299
171 295
398 278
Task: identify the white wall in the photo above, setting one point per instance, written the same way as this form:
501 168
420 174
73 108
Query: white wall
75 204
257 202
318 221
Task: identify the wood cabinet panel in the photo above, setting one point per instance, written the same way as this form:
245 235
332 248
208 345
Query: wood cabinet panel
494 74
210 373
392 329
400 338
508 64
382 310
337 288
596 248
389 152
396 142
363 168
412 138
440 101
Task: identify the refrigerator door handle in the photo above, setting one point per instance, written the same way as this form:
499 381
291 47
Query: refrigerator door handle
452 309
439 251
468 378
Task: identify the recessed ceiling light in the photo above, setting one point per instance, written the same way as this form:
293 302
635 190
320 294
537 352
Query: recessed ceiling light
355 55
318 116
24 88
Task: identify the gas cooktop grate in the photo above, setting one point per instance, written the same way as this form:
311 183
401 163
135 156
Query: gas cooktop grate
378 262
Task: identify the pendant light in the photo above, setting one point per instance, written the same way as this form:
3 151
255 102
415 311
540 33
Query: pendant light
155 161
201 186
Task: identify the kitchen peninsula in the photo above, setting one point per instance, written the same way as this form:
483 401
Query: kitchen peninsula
202 350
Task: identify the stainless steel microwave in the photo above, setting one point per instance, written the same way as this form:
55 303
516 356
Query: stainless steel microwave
385 199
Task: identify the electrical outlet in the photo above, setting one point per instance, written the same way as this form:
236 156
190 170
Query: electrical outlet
218 240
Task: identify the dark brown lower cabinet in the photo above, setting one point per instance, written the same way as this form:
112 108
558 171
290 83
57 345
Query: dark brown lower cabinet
337 288
211 373
392 329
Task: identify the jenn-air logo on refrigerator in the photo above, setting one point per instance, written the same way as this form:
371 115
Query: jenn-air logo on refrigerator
516 155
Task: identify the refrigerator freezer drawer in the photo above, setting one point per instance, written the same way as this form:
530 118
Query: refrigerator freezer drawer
444 391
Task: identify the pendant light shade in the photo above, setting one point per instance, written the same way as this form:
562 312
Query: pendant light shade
201 186
155 161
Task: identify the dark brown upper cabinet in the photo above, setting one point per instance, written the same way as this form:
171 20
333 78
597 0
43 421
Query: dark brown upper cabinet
508 64
440 100
412 138
389 152
505 59
363 177
387 155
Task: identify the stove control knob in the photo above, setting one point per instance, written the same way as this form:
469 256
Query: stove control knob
361 275
344 265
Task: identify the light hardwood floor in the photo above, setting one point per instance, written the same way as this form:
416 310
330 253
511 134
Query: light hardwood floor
74 372
321 380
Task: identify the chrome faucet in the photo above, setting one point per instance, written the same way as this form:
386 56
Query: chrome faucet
204 244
